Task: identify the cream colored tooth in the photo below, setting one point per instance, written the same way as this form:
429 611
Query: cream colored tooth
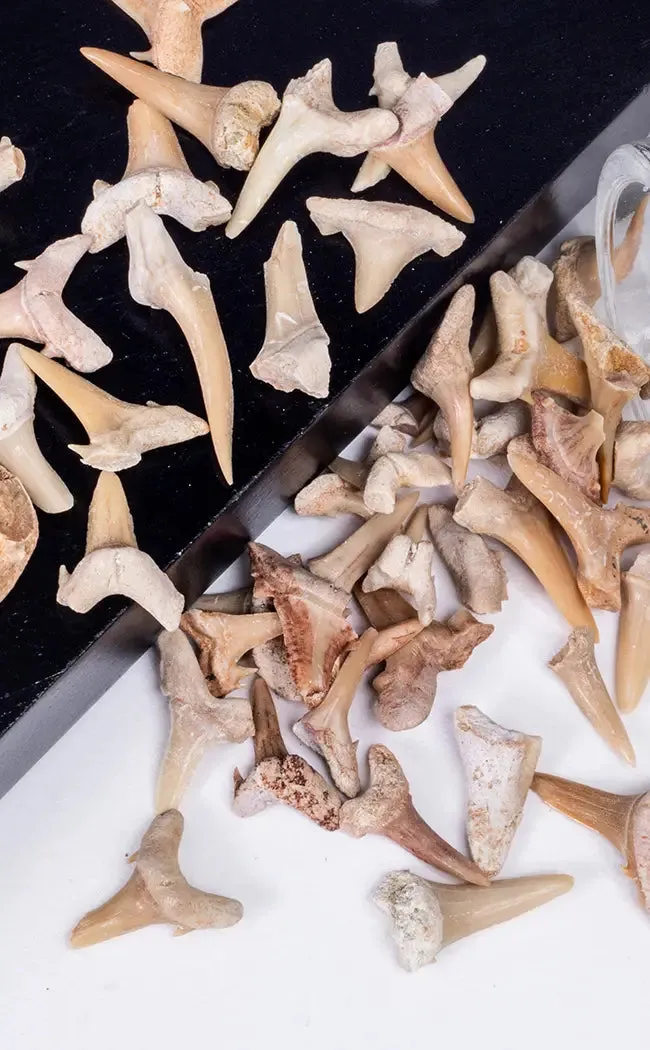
392 638
309 122
477 571
492 433
34 309
159 278
516 519
295 353
405 564
598 536
388 439
568 444
499 767
427 916
113 564
12 163
401 416
397 470
348 561
19 451
227 121
198 719
373 169
384 238
622 819
326 729
327 495
632 459
119 432
18 530
575 664
444 373
223 639
616 375
633 651
157 175
157 892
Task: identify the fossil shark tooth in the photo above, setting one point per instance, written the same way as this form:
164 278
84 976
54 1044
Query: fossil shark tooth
222 639
309 122
405 564
632 459
387 439
383 609
156 174
198 719
477 571
598 536
12 163
427 916
405 416
515 518
492 432
350 471
19 451
633 651
227 121
271 658
18 530
393 638
327 495
119 432
295 353
159 278
398 470
384 238
568 444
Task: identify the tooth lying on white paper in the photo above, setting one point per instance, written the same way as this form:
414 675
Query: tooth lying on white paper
633 652
400 470
405 565
12 163
477 571
327 496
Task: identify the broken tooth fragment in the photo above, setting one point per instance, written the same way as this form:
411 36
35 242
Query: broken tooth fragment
632 459
12 163
568 444
327 495
405 564
18 530
384 238
477 571
398 470
492 433
633 651
223 639
119 432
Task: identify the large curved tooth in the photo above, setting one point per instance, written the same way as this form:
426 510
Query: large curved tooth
633 652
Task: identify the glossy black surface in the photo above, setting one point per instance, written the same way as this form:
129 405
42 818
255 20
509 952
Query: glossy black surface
557 75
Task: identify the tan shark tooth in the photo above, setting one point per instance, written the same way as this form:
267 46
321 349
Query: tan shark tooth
632 459
393 638
280 777
271 658
18 530
519 521
309 122
616 375
405 564
493 432
598 536
19 451
235 602
34 309
161 279
157 892
388 439
427 916
12 163
477 571
347 562
119 432
405 416
198 719
350 471
406 689
223 639
383 609
327 495
384 238
633 651
326 729
624 820
156 174
227 121
386 808
568 444
113 564
397 470
575 664
294 355
312 614
499 767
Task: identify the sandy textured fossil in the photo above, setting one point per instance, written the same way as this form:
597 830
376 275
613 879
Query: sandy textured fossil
157 892
295 353
198 719
161 279
632 459
119 432
19 451
327 496
270 657
222 639
18 530
387 439
156 174
477 570
12 163
568 444
492 432
405 564
113 564
633 650
384 238
427 916
227 121
398 470
406 416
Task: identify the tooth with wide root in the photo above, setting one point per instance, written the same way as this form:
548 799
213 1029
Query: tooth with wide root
398 470
227 121
388 439
598 536
119 432
113 564
223 639
632 459
157 175
159 278
477 571
633 651
568 444
520 522
18 530
198 719
405 565
34 309
427 916
295 353
492 433
327 495
624 820
156 893
309 122
384 238
386 808
326 729
19 451
12 163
